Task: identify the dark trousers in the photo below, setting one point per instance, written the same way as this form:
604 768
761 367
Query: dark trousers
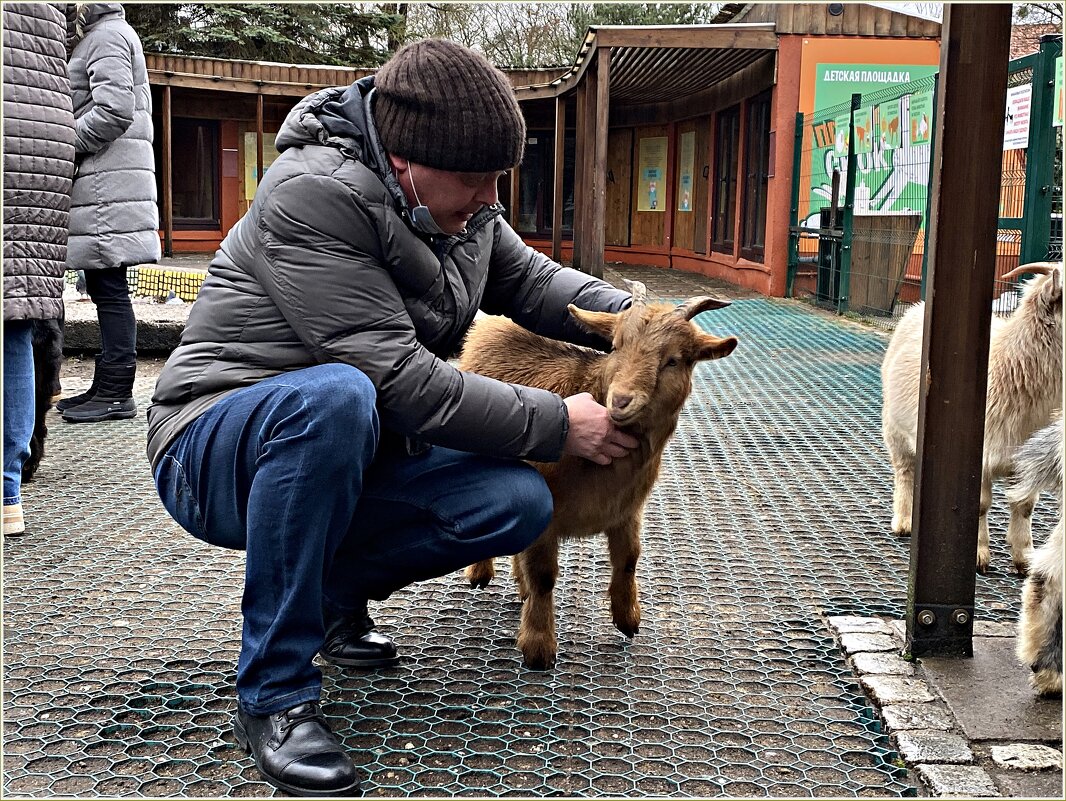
289 471
110 292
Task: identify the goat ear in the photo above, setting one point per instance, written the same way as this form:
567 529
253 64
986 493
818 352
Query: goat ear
712 347
601 323
693 306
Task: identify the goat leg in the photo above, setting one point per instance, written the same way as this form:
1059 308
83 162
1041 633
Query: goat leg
480 574
1040 623
1020 533
623 542
902 495
984 556
539 569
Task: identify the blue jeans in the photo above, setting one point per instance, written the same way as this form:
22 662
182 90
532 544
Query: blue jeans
289 470
18 405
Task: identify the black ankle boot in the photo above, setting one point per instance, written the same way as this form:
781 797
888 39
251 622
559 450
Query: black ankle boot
354 641
296 751
76 400
113 399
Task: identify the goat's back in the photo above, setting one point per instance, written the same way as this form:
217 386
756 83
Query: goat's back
497 348
589 498
900 373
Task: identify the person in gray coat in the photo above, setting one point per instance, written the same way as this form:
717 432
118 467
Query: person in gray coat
38 171
114 218
310 416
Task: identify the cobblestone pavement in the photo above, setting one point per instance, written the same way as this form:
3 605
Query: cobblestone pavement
121 632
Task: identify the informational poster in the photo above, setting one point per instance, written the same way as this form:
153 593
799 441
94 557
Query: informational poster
840 135
651 189
864 139
1016 123
251 180
888 125
685 167
921 114
1056 120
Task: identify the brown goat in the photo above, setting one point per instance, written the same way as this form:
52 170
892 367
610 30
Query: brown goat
643 382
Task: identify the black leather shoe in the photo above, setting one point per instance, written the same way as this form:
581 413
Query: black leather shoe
354 641
296 752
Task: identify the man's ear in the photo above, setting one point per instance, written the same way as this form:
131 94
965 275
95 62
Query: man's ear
601 323
399 163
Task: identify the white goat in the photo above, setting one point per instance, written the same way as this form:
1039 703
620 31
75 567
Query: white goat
1039 465
1024 390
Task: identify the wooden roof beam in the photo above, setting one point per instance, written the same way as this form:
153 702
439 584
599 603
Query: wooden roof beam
752 36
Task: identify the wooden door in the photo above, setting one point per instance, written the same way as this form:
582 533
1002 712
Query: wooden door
703 183
619 179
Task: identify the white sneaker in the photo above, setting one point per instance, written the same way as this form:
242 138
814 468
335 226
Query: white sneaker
14 524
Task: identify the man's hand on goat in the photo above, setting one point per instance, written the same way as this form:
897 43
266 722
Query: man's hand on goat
592 434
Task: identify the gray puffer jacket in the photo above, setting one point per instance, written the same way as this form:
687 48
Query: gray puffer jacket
38 160
114 219
325 267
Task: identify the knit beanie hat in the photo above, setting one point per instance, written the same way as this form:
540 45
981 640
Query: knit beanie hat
440 104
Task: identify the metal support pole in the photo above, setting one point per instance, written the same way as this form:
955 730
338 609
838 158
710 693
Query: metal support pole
793 214
849 211
929 188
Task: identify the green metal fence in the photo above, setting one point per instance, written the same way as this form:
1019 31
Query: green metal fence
862 186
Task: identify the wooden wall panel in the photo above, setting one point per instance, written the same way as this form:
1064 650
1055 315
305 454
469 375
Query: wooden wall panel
619 186
648 227
703 184
684 221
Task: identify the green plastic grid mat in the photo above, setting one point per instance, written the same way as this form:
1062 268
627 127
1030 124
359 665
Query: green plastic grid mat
121 632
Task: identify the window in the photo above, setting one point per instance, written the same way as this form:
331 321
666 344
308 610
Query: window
195 175
726 152
756 172
536 183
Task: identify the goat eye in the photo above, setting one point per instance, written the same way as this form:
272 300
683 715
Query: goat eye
673 361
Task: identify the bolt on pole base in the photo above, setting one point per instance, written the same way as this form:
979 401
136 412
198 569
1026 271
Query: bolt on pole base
941 630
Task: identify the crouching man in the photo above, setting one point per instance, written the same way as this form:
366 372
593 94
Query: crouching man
309 416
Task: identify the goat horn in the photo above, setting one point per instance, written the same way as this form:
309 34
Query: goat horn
693 306
639 291
1036 267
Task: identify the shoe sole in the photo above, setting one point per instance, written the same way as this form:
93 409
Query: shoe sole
354 790
102 418
360 664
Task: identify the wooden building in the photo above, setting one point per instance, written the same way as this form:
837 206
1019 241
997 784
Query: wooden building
676 142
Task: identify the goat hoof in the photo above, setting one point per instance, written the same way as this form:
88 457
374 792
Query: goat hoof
538 662
537 656
982 568
1021 568
479 575
630 631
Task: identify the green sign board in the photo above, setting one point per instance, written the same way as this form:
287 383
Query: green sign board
892 168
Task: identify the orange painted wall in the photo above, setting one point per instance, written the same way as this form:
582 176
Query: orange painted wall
845 50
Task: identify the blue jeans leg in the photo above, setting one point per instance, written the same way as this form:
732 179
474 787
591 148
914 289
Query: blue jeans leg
287 469
425 516
18 405
276 469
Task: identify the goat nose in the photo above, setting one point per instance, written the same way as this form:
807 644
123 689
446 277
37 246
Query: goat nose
621 401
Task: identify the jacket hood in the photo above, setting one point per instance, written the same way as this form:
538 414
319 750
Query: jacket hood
94 12
336 116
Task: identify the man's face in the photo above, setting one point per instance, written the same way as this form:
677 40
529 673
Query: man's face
452 197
